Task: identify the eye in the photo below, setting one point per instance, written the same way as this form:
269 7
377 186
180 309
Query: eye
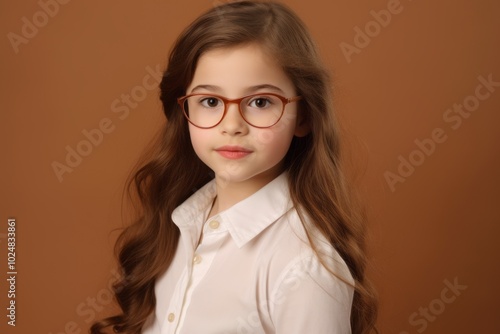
260 102
210 102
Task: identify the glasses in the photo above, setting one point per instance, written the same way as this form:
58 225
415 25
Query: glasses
259 110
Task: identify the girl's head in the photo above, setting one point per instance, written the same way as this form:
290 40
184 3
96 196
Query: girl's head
231 51
246 140
208 53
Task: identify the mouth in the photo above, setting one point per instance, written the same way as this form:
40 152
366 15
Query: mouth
233 152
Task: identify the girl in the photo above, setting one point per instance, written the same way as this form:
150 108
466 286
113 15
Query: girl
247 225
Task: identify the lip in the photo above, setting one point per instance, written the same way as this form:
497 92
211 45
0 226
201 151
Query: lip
233 152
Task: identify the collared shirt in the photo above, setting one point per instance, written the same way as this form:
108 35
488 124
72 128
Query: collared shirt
253 272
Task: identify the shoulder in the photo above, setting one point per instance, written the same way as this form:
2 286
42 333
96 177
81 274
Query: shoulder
312 288
298 255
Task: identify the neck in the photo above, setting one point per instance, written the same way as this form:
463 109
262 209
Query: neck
229 193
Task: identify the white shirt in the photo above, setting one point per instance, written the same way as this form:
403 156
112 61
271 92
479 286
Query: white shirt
253 272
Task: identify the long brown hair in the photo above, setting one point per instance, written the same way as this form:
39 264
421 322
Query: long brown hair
318 186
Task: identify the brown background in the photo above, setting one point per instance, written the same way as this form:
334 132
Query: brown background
441 224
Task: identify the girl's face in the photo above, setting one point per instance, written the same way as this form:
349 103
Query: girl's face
235 150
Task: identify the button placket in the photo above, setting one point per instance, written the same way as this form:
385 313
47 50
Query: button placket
200 264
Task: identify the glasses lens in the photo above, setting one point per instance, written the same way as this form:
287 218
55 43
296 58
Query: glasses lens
204 110
262 110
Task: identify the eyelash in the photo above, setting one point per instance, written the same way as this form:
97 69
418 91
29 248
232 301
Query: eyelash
201 101
266 101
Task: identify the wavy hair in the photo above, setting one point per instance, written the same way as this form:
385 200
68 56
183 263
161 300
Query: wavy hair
172 172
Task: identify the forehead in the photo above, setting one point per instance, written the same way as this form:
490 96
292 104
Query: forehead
237 68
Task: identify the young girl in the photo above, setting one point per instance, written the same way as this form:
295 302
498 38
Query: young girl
247 225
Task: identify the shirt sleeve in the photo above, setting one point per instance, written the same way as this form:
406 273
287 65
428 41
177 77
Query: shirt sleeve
309 299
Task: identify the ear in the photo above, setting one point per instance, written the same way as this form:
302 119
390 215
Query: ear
302 127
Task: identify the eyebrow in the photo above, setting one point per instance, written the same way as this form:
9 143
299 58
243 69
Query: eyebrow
249 90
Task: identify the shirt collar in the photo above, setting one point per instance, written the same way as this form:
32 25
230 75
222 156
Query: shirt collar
249 217
192 213
244 220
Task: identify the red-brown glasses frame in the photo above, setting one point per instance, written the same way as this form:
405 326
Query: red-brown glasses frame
227 102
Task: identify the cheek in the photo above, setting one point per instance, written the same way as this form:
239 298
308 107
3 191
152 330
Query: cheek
199 139
275 141
278 137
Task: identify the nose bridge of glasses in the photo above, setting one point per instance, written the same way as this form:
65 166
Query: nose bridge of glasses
236 103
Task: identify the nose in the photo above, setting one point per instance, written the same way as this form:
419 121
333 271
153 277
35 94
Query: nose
233 123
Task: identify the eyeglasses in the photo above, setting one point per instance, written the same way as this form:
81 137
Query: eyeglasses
259 110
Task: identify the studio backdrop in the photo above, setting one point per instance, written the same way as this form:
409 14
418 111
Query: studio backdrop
417 89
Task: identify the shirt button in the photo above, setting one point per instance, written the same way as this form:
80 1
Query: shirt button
196 259
171 317
214 224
